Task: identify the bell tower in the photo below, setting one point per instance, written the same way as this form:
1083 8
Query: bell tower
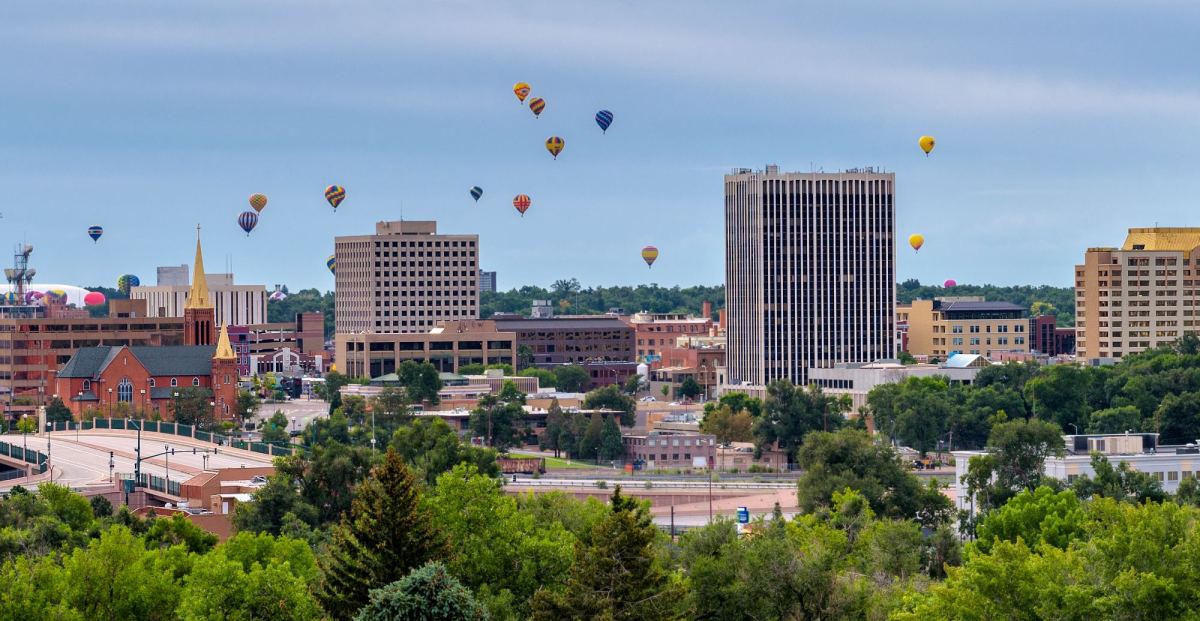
199 319
224 378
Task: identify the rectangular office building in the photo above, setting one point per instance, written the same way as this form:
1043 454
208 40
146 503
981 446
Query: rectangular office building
810 272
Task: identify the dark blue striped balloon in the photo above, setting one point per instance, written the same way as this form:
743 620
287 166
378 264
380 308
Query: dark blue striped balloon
95 232
604 118
248 220
476 193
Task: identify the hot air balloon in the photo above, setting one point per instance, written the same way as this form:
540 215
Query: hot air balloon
10 297
31 296
57 295
476 193
926 143
93 298
258 202
277 296
335 194
521 90
522 202
95 232
916 240
127 282
331 263
537 104
248 220
649 255
604 118
950 283
555 145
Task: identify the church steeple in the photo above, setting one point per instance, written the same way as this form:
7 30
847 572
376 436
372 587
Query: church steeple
224 349
198 296
199 318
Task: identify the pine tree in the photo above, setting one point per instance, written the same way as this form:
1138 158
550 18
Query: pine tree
589 442
617 576
386 535
428 594
612 446
555 427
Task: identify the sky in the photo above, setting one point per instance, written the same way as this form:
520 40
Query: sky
1060 124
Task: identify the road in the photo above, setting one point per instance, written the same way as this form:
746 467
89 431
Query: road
82 460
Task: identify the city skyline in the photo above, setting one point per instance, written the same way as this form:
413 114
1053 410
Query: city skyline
148 119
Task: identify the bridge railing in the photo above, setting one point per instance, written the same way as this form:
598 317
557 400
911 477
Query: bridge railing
177 429
15 451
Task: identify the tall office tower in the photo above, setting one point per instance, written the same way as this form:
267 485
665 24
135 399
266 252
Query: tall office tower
810 271
404 278
487 282
1141 295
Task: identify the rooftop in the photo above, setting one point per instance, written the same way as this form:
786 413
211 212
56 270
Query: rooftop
599 322
1182 239
977 307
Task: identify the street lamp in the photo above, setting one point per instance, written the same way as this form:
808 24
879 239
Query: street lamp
1075 427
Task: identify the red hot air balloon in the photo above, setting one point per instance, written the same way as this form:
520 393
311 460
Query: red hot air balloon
93 298
522 202
949 283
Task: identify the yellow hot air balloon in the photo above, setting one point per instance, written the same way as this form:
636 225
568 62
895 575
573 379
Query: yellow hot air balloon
916 240
521 90
649 254
927 143
555 145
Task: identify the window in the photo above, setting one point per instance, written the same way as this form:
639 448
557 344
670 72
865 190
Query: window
125 390
152 382
1173 475
174 382
195 381
87 384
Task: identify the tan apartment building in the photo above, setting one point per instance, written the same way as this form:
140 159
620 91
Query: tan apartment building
447 347
810 272
655 332
406 278
1138 296
942 327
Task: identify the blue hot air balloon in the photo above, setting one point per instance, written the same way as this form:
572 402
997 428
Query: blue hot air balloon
604 118
476 193
248 220
95 232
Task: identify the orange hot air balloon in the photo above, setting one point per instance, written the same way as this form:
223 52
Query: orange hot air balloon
522 202
555 145
649 255
258 202
916 240
521 90
537 104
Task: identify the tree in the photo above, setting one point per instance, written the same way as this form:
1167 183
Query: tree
275 429
906 358
556 422
420 380
1115 420
1035 517
546 378
429 593
690 388
611 398
387 534
666 391
570 378
390 405
273 506
327 476
117 578
57 411
1060 394
1177 419
1120 483
431 447
193 406
498 418
833 462
592 436
790 413
727 425
633 384
737 402
251 577
612 445
617 576
524 357
1021 448
247 405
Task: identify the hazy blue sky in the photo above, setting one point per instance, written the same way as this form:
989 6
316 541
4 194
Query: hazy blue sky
1059 125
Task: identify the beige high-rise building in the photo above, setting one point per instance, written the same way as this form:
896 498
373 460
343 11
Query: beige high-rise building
1141 295
405 278
810 272
943 327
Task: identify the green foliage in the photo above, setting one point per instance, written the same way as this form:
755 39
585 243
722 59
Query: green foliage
247 404
500 419
737 402
611 444
192 406
57 411
302 301
275 429
727 425
1035 517
849 459
571 378
598 300
1115 420
612 398
386 534
1121 483
431 447
556 421
429 593
420 380
618 575
689 388
546 377
177 530
790 413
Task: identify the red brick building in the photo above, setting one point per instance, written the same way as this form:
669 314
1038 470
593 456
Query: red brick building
98 380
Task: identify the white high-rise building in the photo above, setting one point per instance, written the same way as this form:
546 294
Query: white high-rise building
405 278
810 272
234 305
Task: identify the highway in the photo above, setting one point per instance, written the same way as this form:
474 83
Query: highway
82 460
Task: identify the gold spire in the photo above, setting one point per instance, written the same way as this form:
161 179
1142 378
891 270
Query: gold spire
198 296
224 349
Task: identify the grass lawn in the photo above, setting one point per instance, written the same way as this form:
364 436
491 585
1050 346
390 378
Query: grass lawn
554 463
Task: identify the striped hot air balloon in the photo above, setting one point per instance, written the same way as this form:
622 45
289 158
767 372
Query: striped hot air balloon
649 255
604 118
536 105
258 202
95 232
555 145
248 220
522 202
331 263
335 194
476 193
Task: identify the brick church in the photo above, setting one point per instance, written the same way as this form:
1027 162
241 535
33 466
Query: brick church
96 379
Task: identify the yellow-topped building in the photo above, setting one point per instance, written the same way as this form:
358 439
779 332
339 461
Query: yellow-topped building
1139 296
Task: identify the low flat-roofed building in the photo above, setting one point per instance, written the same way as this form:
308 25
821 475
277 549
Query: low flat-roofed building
447 347
942 327
574 339
664 449
857 380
